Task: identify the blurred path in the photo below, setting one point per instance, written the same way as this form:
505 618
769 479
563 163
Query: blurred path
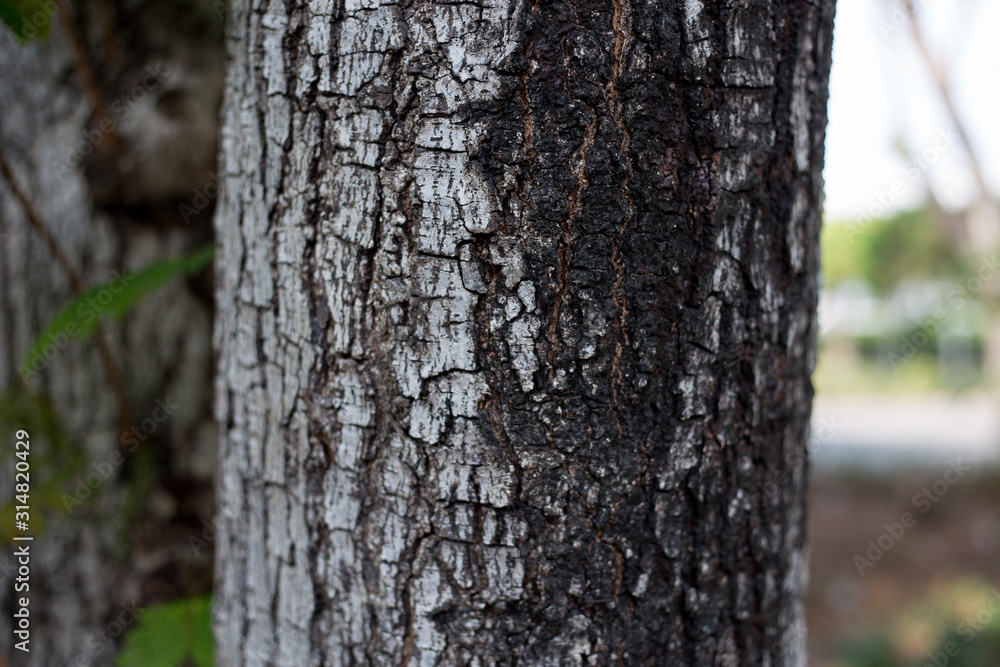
886 433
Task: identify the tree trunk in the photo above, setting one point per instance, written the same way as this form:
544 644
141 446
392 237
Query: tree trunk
516 317
110 542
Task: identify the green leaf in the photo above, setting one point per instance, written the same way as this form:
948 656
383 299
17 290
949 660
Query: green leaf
81 317
10 15
169 634
27 18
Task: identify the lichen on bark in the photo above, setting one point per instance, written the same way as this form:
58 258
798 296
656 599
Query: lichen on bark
516 316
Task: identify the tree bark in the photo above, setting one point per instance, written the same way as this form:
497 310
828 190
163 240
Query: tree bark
516 317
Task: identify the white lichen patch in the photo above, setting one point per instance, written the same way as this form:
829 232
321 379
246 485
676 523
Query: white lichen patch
697 34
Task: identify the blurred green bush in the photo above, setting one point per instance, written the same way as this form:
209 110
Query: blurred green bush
957 625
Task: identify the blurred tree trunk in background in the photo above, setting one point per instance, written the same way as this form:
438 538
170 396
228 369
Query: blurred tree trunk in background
111 208
516 316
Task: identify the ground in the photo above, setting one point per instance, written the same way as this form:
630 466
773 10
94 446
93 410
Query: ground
954 545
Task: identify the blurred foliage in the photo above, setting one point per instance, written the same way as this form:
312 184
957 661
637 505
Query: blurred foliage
871 651
82 316
957 625
909 245
54 458
173 634
838 371
927 335
27 18
145 473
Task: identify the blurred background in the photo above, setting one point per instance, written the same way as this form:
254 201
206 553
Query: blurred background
905 495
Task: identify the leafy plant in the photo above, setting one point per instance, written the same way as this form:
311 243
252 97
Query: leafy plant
81 317
54 457
19 16
170 635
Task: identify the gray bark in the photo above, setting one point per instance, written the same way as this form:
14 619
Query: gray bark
516 316
80 579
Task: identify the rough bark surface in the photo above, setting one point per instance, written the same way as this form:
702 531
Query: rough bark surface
113 550
515 320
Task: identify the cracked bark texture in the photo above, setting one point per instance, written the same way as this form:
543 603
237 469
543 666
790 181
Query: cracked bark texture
79 579
516 315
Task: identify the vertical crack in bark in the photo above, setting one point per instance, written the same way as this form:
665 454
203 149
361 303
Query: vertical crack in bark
569 231
622 22
475 494
377 362
409 638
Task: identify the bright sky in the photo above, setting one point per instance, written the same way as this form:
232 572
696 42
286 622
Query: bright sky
881 95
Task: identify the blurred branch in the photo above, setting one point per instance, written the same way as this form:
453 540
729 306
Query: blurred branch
86 73
106 23
940 75
76 287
